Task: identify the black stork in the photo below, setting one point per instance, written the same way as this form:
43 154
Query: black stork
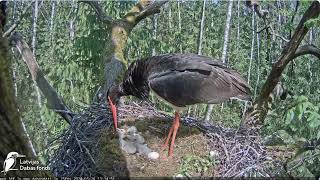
179 80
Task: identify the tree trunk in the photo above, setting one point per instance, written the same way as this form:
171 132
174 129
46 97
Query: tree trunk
179 25
226 33
252 46
154 32
51 29
238 25
72 20
154 38
200 40
224 52
12 135
258 64
200 36
33 44
170 17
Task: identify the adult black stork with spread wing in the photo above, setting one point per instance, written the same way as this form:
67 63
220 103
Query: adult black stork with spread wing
179 80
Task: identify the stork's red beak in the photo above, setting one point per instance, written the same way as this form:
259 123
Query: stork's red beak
114 113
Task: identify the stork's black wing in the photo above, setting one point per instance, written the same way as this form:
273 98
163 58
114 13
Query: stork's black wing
198 82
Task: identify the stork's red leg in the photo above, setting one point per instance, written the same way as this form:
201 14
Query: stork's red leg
168 137
175 130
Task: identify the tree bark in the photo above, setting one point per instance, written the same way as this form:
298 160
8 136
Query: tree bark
54 101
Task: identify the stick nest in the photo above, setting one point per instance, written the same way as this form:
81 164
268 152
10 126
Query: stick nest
239 153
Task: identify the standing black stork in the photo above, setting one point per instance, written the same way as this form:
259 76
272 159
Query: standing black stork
179 80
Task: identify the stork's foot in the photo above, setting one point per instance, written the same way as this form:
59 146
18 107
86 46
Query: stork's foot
165 157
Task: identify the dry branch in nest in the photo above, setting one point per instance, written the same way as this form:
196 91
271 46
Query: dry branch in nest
76 154
239 152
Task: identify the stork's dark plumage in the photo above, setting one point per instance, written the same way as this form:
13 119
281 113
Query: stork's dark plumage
180 80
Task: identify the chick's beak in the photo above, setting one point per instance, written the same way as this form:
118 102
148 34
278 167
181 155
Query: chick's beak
114 113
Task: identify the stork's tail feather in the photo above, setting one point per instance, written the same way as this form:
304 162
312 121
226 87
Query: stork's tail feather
241 87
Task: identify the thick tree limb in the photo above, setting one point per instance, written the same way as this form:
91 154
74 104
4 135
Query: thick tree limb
54 100
307 49
142 10
99 11
288 54
14 26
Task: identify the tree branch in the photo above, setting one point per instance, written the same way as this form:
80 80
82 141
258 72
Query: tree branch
14 26
142 10
54 100
99 11
307 49
287 55
260 12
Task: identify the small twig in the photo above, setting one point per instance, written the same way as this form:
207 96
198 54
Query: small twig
64 111
88 152
223 146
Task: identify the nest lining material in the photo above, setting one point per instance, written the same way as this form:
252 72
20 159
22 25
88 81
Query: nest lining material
240 153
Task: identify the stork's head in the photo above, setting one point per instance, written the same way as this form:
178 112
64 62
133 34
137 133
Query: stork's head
114 94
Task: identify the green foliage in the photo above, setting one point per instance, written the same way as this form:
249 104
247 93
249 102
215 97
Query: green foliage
196 164
299 117
302 118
